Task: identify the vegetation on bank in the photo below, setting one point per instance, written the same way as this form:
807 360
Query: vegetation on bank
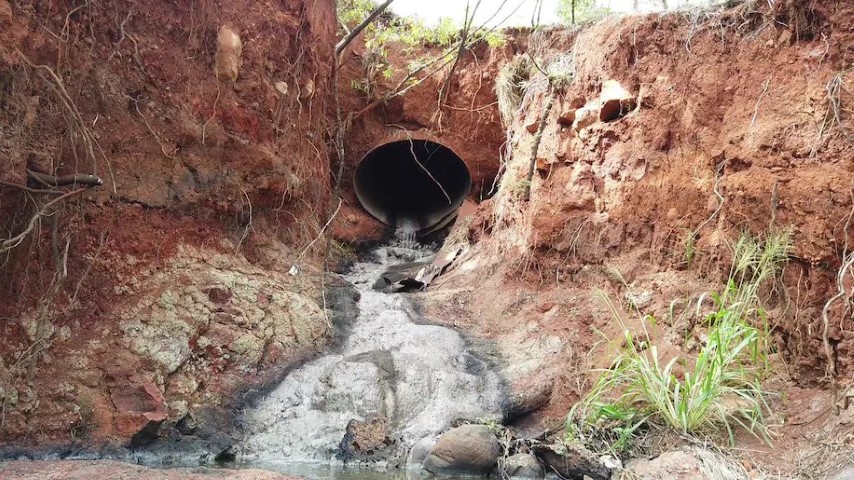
409 34
719 389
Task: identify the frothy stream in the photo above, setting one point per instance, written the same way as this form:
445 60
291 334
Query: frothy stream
418 377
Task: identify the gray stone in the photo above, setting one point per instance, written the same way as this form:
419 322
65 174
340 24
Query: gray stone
573 461
523 465
418 453
465 450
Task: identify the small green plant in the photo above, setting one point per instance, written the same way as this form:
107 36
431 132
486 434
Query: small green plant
721 387
690 247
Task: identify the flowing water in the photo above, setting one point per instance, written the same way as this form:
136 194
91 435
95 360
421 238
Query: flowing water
392 365
405 235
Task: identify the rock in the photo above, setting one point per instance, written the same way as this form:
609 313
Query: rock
529 400
187 425
688 464
398 277
364 440
567 117
523 465
533 126
228 53
281 87
573 461
113 470
584 117
418 453
140 409
616 101
465 450
218 294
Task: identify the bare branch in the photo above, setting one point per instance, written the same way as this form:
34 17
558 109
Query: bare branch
30 190
356 31
537 137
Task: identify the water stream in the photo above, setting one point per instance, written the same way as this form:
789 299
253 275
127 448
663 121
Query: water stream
418 378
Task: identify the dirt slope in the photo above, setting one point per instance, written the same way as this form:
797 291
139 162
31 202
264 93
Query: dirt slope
735 130
215 180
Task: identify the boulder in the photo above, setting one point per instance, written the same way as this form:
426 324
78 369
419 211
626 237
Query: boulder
528 400
616 101
567 117
523 465
465 450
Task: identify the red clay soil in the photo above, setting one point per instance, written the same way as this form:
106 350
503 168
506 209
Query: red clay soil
732 102
187 159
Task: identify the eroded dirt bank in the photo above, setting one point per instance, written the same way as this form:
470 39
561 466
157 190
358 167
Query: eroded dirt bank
732 127
207 123
177 297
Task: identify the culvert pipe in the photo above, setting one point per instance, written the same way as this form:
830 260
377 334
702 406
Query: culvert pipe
415 184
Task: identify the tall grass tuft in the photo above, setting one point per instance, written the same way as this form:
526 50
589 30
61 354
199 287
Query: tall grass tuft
720 388
510 86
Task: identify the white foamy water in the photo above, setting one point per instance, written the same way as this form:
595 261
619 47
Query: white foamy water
419 377
405 235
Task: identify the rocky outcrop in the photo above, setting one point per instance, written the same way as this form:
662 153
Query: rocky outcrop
465 450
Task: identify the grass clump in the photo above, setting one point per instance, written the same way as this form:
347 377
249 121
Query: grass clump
510 86
719 389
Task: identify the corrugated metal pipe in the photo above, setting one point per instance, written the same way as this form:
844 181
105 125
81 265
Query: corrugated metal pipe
417 184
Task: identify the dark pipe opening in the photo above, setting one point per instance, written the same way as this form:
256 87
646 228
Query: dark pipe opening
415 183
